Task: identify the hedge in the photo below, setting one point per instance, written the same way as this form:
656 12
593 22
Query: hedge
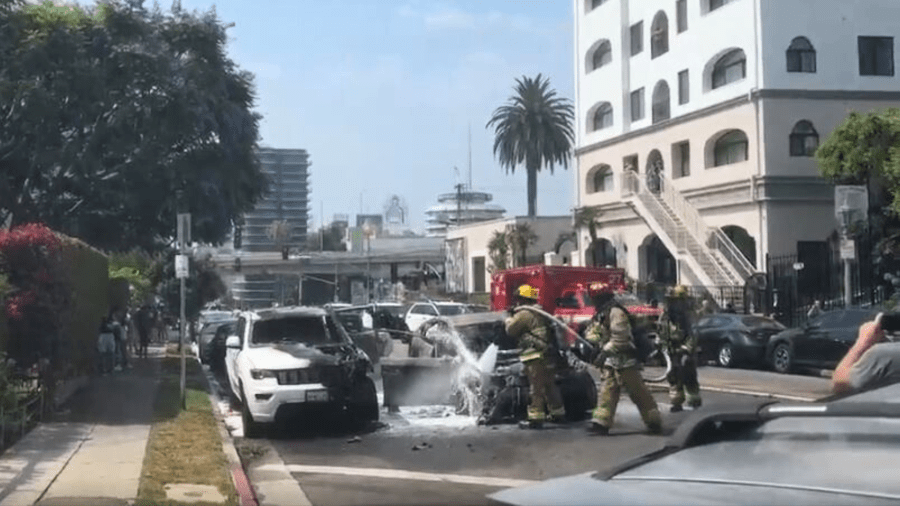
88 271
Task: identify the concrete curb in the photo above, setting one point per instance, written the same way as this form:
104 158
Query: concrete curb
235 467
657 387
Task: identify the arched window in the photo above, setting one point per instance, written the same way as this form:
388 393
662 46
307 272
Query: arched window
804 139
801 56
601 179
661 102
659 35
602 253
603 116
729 68
601 55
732 147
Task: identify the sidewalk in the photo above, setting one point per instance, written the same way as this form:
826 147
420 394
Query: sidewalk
92 452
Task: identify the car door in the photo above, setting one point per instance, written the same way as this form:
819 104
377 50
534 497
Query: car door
709 334
814 338
842 335
231 355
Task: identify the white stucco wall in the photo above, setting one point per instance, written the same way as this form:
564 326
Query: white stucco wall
832 26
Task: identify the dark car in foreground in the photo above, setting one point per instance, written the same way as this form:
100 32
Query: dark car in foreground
735 339
211 342
843 452
821 343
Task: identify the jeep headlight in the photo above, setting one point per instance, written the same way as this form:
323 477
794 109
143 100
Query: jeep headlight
259 374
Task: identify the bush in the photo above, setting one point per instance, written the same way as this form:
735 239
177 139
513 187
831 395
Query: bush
88 274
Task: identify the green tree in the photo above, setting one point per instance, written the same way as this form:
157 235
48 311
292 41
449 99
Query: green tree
115 116
498 250
534 128
588 217
202 286
138 268
865 150
520 237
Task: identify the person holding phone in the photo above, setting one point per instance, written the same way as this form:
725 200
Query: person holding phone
873 360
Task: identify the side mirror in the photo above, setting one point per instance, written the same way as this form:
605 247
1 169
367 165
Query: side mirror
233 342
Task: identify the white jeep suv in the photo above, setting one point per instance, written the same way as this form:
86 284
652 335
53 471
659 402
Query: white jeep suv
283 360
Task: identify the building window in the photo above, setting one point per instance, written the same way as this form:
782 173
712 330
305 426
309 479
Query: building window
681 15
661 102
732 147
801 56
876 56
602 179
730 68
637 38
684 88
681 159
603 116
659 35
596 3
715 4
637 105
630 163
602 55
804 139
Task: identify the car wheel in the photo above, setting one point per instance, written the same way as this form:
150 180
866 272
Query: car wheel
782 358
364 403
725 357
252 429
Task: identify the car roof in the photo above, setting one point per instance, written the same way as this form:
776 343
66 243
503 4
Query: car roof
282 312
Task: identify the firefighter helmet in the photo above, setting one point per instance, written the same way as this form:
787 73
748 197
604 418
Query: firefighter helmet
678 292
527 292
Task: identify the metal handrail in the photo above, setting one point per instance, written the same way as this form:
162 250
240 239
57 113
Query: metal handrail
730 251
633 183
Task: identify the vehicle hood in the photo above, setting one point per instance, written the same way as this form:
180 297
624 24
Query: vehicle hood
294 356
818 468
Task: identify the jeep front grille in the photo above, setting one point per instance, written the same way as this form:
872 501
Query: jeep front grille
327 376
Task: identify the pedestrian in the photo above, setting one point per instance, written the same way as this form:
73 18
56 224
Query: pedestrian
676 333
539 354
616 356
120 332
706 308
106 346
144 327
815 310
871 362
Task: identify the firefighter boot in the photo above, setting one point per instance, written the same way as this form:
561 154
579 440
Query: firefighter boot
595 428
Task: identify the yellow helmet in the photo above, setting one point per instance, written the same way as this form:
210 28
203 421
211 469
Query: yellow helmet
527 292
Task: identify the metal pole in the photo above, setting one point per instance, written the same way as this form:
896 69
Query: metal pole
182 345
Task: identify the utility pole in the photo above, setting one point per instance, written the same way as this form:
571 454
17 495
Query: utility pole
182 272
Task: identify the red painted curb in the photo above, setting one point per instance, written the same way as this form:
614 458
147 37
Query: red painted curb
242 485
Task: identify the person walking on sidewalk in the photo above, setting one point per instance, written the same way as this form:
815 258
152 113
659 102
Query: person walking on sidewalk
617 359
535 338
106 346
120 332
676 333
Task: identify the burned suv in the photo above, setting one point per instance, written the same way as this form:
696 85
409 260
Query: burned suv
287 361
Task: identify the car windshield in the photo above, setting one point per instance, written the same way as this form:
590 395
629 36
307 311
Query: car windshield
297 329
451 309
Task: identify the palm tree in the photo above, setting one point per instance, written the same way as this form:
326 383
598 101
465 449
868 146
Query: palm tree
534 128
498 250
588 217
520 236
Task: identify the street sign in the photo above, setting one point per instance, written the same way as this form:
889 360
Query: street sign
848 249
184 230
181 266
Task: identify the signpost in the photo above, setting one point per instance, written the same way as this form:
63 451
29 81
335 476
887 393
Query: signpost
850 207
182 272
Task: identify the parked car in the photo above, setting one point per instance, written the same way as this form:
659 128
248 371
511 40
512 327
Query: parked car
283 362
420 312
843 452
735 339
359 324
211 343
821 342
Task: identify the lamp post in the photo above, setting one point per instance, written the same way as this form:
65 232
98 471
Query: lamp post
368 230
848 253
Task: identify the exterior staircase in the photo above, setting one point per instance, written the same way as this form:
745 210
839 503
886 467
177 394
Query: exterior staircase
705 254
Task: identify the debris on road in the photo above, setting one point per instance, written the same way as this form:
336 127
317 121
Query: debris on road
421 446
354 439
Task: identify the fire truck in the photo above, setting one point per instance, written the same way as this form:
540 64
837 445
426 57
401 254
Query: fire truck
563 290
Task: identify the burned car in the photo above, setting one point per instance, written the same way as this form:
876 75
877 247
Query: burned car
469 360
285 362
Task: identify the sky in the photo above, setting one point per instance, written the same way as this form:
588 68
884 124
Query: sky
381 93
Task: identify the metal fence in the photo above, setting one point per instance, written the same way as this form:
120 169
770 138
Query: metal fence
21 407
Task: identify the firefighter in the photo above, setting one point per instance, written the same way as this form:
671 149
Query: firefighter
538 353
675 331
616 356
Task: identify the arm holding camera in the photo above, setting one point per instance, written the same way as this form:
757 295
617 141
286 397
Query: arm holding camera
869 363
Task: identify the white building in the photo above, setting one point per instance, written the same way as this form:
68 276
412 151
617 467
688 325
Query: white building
726 100
463 207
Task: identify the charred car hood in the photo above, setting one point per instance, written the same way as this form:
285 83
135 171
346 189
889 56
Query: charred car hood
297 356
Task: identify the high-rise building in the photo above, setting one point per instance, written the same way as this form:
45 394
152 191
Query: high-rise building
280 218
697 122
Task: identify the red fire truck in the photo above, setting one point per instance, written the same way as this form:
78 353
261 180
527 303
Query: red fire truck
563 290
